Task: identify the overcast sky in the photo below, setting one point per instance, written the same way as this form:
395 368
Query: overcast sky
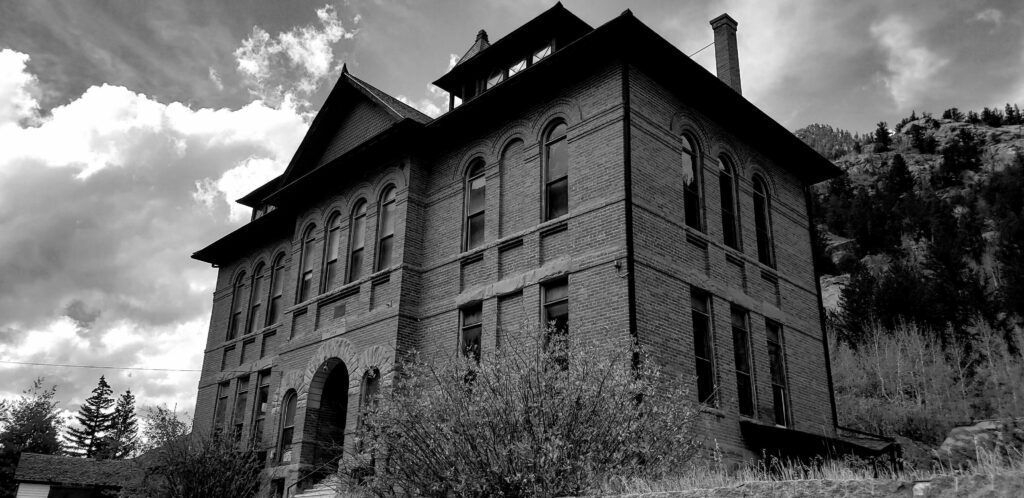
127 127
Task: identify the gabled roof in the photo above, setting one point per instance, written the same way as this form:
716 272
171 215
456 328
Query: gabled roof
71 471
478 46
321 130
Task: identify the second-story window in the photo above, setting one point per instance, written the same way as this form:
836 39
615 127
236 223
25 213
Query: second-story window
235 321
691 169
331 251
556 173
356 241
306 263
255 298
476 193
727 195
287 426
385 229
276 290
763 222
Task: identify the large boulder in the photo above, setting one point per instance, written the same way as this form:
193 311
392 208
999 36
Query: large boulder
984 439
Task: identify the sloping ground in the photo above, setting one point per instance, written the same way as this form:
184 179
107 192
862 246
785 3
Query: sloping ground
976 486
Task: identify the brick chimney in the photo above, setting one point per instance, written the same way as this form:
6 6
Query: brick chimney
727 57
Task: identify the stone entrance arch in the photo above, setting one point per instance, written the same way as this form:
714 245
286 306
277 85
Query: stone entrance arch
327 411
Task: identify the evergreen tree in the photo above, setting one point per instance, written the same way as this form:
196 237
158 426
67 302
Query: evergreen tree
95 419
123 440
30 424
953 113
898 179
973 118
992 117
883 140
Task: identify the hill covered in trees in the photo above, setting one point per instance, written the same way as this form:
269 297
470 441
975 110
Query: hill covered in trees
922 248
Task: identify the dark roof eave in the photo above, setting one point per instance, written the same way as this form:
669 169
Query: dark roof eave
223 248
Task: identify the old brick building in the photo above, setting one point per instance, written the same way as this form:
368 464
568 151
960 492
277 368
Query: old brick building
597 175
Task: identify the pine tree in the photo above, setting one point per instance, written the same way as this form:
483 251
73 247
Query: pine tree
124 432
883 140
94 419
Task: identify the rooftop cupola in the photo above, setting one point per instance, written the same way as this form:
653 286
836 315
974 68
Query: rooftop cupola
486 65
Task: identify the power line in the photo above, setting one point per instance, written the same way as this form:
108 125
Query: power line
98 367
702 49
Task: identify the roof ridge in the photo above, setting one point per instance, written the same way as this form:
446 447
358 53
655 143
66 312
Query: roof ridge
377 94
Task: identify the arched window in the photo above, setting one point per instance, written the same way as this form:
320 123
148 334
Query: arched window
727 194
235 321
476 201
331 251
385 229
763 222
356 241
306 263
691 170
287 426
276 290
556 173
255 298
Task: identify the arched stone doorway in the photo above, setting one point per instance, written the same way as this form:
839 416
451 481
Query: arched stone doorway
326 411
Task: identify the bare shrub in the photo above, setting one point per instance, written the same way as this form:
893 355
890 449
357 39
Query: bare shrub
546 415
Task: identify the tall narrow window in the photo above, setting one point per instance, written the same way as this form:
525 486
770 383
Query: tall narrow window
691 171
241 399
306 263
386 229
741 352
472 327
780 386
287 426
700 311
235 321
476 194
357 239
255 298
556 315
331 251
763 222
727 195
556 173
221 410
368 398
260 409
276 290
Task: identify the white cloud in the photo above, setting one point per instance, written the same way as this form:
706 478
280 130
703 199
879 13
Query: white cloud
99 211
992 15
432 105
912 66
16 88
294 62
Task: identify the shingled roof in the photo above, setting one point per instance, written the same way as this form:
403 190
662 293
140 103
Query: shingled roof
71 471
478 46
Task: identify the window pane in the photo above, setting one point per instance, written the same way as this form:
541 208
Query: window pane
387 219
332 243
384 259
495 79
257 290
477 195
777 369
331 273
699 301
358 235
277 281
471 342
556 292
471 316
355 265
725 187
558 159
741 350
515 68
475 237
745 394
779 400
289 411
558 198
762 223
688 170
701 336
542 53
557 316
705 382
274 311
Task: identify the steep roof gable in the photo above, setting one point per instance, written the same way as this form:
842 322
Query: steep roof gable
353 113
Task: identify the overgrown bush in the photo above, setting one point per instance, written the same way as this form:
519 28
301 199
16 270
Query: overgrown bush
183 465
547 415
